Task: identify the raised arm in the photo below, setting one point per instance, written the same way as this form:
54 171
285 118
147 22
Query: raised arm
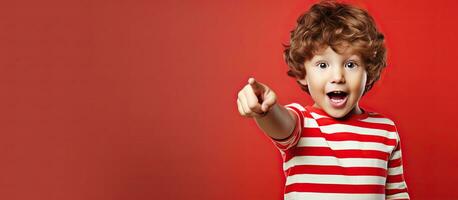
278 122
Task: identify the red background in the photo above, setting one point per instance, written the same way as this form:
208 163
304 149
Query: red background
137 99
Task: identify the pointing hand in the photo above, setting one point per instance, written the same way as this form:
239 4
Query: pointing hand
255 99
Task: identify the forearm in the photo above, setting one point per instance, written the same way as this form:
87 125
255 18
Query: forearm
278 123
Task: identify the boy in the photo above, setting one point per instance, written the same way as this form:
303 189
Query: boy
333 149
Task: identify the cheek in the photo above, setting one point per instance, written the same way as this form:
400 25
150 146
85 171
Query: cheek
314 85
316 90
360 82
364 79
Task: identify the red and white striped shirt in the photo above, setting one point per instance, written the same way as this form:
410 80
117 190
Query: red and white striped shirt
358 158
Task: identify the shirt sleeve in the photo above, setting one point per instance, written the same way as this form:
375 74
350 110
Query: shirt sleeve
396 187
290 141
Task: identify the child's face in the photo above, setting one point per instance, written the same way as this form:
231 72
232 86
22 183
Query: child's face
335 81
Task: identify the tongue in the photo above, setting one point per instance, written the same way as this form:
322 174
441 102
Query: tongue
337 97
338 101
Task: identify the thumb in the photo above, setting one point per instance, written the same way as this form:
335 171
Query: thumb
269 100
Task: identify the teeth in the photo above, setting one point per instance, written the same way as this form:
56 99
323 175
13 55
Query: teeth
337 100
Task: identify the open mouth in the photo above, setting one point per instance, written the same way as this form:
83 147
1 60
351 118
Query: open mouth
337 98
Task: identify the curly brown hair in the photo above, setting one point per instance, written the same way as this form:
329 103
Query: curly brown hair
334 24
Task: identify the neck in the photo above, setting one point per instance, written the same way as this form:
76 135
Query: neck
357 110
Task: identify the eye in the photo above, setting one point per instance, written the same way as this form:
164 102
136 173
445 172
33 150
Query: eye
351 64
322 65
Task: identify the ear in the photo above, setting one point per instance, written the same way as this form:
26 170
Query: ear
303 81
368 82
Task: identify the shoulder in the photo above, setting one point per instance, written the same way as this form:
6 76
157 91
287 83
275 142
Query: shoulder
295 106
381 121
297 109
378 118
305 111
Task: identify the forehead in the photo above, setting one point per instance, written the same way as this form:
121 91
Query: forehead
344 50
338 54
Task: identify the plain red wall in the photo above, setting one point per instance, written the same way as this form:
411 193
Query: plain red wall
137 99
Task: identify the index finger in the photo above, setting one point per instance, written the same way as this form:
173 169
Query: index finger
257 87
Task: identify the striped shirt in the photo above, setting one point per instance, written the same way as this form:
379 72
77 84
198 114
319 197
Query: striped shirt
358 158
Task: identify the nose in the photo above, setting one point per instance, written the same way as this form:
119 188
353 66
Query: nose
338 75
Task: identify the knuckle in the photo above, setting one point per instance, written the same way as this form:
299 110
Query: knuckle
248 88
252 105
239 95
241 112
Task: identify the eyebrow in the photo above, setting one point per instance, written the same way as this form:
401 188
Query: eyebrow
320 58
354 57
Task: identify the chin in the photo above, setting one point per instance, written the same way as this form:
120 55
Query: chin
337 113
